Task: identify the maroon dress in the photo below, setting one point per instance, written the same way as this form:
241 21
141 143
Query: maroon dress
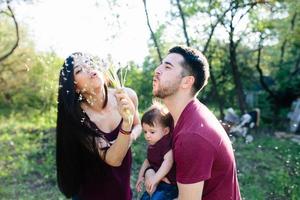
101 181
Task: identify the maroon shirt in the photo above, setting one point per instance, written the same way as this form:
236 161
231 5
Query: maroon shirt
156 153
203 152
102 181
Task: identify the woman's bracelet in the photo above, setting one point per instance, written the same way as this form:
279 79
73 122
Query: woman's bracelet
125 132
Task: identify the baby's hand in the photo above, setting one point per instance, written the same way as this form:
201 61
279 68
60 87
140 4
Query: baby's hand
139 183
166 180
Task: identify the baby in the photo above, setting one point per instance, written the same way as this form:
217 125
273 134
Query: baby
157 123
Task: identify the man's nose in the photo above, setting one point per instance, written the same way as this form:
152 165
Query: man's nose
157 70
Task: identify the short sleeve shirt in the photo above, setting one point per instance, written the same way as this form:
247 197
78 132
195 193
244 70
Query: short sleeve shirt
203 152
156 153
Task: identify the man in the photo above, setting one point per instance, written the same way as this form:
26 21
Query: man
205 164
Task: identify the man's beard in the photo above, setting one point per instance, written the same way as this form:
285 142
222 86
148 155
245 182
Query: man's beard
169 90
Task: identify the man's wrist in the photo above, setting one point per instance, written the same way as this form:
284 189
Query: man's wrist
147 170
155 180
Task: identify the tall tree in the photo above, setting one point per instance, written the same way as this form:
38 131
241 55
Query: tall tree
152 32
11 14
184 26
230 26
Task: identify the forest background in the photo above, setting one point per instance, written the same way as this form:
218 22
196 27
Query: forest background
253 50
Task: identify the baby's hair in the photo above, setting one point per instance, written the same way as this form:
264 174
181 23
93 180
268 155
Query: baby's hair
157 113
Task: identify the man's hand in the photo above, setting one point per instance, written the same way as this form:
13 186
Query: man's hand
151 185
150 182
139 183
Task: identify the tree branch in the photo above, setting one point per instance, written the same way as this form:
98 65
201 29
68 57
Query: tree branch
183 23
282 48
2 58
257 66
243 15
152 33
213 27
297 67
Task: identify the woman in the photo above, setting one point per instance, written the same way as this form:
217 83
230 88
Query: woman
94 133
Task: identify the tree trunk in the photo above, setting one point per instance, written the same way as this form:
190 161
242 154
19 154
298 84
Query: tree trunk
215 90
282 48
152 33
235 72
6 55
260 72
183 23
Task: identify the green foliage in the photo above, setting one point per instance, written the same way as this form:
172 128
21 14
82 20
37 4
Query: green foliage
28 79
27 161
268 168
140 79
35 86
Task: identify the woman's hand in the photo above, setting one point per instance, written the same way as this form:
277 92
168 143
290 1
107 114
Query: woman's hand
125 106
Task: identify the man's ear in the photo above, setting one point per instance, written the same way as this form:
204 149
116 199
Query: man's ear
166 130
188 81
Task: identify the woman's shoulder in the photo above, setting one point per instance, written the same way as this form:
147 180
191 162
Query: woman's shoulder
130 92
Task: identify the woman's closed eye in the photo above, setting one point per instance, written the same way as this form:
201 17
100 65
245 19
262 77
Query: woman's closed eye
78 71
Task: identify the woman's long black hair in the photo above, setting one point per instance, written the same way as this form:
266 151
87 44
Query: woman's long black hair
73 132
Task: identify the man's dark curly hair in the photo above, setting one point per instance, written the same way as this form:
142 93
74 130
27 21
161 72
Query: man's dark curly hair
195 64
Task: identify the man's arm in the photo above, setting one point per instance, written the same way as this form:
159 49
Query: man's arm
194 164
190 191
143 168
140 180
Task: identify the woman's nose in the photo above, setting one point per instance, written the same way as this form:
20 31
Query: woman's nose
91 71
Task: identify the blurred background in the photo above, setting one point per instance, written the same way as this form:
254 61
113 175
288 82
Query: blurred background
253 48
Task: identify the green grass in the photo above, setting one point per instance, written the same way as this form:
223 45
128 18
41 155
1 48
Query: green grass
269 168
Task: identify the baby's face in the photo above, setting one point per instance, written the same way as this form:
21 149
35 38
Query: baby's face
154 133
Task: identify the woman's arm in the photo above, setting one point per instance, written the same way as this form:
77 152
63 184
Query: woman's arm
115 154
